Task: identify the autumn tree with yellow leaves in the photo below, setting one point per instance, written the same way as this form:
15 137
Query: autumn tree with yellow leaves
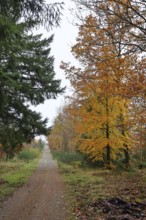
62 132
108 103
126 17
102 94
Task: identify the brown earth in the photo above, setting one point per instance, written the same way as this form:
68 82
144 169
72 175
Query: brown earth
42 198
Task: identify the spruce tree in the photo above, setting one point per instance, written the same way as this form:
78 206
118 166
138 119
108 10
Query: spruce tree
27 78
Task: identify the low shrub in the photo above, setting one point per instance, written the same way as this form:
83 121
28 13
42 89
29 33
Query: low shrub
28 154
76 159
119 164
69 157
142 165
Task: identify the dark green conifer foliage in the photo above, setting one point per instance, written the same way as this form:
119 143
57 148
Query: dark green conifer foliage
42 13
27 74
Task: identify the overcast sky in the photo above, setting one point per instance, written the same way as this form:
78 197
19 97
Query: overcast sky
64 38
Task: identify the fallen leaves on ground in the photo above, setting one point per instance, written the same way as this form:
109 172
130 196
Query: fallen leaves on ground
105 195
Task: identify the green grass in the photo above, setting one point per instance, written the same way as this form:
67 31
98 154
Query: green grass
15 173
81 187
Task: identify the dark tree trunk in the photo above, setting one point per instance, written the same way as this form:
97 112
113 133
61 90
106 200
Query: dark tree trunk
108 148
108 156
127 157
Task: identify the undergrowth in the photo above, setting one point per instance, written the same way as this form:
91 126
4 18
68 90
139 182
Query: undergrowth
28 154
72 158
15 172
86 187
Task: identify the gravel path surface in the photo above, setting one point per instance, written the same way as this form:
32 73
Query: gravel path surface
41 198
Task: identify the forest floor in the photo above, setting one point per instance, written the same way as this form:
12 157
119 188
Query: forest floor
98 194
41 198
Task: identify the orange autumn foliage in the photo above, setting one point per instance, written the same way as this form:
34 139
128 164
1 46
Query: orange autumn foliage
103 89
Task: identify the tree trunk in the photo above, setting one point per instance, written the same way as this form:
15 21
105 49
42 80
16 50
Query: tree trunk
127 157
108 156
108 148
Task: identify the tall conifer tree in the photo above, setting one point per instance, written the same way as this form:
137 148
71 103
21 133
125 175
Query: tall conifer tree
26 71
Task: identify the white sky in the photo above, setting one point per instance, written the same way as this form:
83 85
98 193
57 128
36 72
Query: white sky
64 38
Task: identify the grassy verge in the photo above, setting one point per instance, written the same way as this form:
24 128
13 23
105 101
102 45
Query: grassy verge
15 173
85 188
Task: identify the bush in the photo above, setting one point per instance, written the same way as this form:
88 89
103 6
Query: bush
77 159
142 165
29 154
69 157
119 164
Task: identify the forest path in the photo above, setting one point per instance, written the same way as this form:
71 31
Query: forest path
42 198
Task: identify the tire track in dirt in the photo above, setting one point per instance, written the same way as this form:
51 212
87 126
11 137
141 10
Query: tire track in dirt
42 198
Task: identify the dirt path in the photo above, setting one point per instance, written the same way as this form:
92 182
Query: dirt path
41 198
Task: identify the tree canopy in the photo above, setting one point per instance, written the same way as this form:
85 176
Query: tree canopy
125 17
37 11
107 105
